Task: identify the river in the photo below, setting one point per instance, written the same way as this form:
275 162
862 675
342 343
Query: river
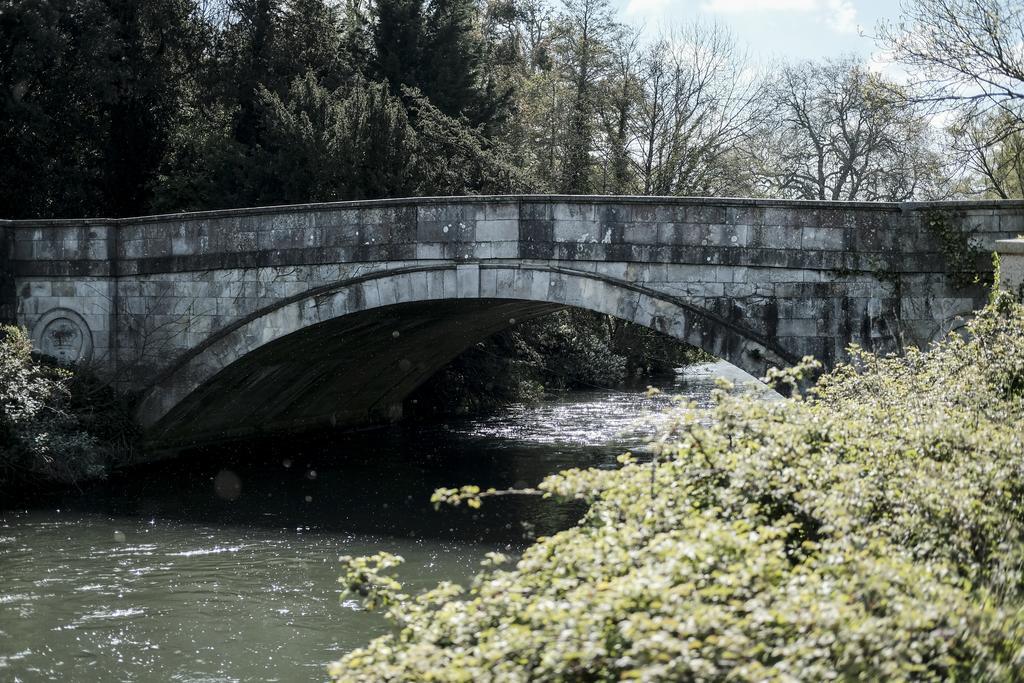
223 566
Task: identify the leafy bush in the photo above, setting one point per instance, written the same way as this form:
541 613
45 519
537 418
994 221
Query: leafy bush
870 530
47 431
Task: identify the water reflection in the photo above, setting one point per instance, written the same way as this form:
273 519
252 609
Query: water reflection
222 566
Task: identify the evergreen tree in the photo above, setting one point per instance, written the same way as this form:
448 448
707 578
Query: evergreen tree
311 38
91 90
152 51
249 62
397 34
452 58
456 159
323 145
437 47
585 31
49 147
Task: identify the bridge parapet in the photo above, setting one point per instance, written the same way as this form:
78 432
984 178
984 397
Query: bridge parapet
766 233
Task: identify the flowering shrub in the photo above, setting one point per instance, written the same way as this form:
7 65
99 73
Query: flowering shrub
41 437
870 530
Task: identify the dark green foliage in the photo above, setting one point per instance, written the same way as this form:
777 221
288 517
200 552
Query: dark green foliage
322 145
153 45
89 95
437 48
454 77
313 37
206 167
456 159
247 63
50 132
583 39
293 118
39 436
397 33
649 353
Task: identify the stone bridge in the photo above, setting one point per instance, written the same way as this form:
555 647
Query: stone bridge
229 323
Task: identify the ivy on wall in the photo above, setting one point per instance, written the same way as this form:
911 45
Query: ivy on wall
960 251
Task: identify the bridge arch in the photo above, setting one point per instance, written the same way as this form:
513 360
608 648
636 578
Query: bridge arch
348 353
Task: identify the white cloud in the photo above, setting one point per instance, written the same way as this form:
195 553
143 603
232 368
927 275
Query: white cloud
839 15
842 16
743 6
645 6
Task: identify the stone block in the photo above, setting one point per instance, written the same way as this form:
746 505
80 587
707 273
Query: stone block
387 291
85 289
462 251
834 218
574 211
822 238
375 233
48 249
23 250
535 210
243 241
456 230
776 237
505 282
500 211
1011 266
182 245
1011 223
706 213
450 283
445 213
504 250
671 213
488 283
429 250
643 213
468 281
497 230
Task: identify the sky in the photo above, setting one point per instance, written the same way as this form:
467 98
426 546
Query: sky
776 29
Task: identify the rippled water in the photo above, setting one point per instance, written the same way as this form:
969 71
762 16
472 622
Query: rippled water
223 566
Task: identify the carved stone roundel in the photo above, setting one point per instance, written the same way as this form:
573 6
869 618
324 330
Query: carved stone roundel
64 335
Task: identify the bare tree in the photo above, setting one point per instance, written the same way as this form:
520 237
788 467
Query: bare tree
964 52
967 56
698 99
990 148
839 132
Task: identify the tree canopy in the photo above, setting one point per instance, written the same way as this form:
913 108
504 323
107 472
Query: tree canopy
118 108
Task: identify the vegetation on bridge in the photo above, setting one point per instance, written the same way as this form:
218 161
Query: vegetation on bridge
871 530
